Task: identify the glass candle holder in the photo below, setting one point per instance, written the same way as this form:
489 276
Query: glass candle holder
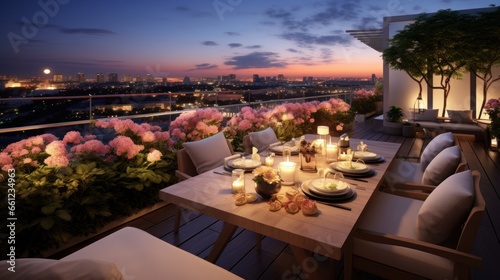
238 181
287 172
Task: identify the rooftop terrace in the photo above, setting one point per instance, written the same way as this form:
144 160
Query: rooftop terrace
276 261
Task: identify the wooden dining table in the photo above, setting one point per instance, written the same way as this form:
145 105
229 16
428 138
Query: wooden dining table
326 234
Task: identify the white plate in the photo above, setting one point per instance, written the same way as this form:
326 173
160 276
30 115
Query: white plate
350 167
280 148
364 155
244 163
329 186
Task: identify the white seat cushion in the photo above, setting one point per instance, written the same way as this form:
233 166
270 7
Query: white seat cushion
428 115
48 269
396 215
442 166
460 116
402 171
140 255
208 153
446 207
434 147
262 139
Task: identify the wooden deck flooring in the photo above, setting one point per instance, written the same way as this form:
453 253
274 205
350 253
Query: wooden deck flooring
199 232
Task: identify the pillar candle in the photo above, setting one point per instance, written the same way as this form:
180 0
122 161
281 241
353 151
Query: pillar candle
331 152
287 172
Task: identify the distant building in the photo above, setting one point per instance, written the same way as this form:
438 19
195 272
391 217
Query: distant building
112 77
127 78
80 77
58 78
186 80
374 79
100 78
138 78
281 77
150 78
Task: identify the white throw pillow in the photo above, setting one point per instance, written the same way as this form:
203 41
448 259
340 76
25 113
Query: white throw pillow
208 153
442 166
48 269
262 139
446 208
429 115
460 116
439 143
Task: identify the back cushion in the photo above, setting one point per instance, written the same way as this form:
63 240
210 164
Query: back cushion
208 153
429 115
442 166
262 139
439 143
446 208
460 116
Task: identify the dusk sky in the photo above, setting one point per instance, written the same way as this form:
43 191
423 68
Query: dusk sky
199 38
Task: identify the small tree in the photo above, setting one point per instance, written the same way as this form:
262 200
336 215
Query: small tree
485 55
431 45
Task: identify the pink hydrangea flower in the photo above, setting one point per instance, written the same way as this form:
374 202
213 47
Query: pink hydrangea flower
72 137
154 156
124 146
58 161
56 148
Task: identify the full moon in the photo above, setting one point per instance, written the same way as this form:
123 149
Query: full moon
46 71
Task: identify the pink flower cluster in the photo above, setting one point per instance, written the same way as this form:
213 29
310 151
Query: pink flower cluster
333 106
298 113
95 147
247 120
492 108
154 155
196 125
123 145
364 94
146 132
126 125
25 151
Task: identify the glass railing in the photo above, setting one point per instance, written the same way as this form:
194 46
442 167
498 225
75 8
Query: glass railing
160 108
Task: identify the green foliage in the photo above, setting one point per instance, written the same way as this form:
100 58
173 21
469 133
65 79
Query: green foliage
54 204
395 114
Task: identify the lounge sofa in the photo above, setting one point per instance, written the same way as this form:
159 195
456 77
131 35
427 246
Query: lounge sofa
458 121
128 253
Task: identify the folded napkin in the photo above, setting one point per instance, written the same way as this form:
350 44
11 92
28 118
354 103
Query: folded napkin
255 155
362 147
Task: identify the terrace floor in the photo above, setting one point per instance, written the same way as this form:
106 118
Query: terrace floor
276 261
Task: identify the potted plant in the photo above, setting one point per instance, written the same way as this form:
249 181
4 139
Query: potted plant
267 181
393 123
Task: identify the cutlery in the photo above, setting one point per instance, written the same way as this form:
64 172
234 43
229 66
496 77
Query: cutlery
335 205
356 179
223 173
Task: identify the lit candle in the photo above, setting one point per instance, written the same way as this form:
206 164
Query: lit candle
331 152
287 172
238 181
269 161
343 156
238 186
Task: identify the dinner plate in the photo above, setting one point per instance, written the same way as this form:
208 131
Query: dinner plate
350 167
378 159
369 173
246 164
350 195
364 155
278 149
329 186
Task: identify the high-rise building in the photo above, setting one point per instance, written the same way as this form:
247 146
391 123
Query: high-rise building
150 78
138 78
80 77
281 77
374 79
58 77
127 78
112 77
100 78
256 78
186 80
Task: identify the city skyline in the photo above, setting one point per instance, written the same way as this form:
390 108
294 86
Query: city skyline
198 38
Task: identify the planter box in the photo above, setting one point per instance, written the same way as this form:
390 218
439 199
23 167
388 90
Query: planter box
393 128
362 117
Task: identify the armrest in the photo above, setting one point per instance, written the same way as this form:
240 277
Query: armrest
410 190
445 252
181 175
